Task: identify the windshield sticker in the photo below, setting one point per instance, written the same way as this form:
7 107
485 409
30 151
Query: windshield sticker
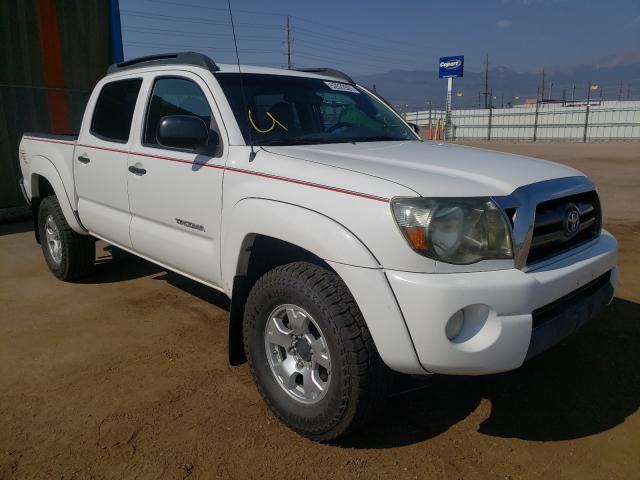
341 87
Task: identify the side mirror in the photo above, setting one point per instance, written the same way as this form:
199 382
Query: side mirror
186 132
415 127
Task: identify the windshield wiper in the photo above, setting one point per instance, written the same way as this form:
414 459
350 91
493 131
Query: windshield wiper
320 140
298 141
375 138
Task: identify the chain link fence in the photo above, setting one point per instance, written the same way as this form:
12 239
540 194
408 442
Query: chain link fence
577 121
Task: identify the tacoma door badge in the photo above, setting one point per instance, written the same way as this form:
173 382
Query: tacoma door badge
188 224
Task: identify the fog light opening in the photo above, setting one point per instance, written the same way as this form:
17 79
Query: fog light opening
454 325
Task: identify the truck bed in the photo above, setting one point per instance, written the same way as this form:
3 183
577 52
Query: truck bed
67 137
50 156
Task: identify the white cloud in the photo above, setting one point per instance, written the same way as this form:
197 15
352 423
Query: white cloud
504 23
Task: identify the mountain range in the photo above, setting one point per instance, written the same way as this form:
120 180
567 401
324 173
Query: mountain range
410 90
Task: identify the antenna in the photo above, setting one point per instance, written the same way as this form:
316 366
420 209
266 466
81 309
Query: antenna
252 155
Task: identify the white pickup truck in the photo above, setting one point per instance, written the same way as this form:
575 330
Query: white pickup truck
348 246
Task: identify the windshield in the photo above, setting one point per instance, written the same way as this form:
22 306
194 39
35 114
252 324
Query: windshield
285 110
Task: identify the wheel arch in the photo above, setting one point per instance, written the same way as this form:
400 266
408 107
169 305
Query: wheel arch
46 180
260 240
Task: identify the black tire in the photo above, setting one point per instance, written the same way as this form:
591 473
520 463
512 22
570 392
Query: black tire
78 252
360 380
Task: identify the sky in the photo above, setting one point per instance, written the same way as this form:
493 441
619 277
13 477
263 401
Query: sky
375 36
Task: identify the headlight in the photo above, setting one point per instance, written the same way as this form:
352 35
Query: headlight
454 230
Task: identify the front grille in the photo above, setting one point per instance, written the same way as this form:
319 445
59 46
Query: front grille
549 234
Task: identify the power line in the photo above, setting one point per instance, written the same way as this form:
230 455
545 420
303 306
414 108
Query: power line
342 62
280 14
319 42
214 49
324 49
153 31
162 17
348 41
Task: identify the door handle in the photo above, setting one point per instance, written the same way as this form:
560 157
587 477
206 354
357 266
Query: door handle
137 171
84 159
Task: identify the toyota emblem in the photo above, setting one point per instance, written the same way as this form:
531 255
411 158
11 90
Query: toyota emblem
571 221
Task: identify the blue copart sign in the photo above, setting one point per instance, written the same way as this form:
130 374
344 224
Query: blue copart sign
451 66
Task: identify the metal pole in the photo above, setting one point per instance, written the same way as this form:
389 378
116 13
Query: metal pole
447 124
535 118
620 91
586 115
288 43
489 124
486 82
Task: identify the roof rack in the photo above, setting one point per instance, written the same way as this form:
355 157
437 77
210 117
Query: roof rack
179 58
329 72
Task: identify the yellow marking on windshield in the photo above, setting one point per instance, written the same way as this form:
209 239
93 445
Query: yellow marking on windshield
274 121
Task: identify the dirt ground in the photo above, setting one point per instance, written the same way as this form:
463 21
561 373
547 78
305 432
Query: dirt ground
124 375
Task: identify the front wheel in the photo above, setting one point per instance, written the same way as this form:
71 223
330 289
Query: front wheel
68 254
311 353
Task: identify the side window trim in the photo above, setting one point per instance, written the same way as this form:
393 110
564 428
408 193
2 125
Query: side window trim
145 114
93 133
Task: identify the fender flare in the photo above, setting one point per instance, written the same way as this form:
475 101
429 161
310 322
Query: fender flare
305 228
332 242
42 166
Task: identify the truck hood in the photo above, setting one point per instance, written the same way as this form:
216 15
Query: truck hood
434 169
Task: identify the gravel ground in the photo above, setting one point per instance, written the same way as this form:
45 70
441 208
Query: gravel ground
124 375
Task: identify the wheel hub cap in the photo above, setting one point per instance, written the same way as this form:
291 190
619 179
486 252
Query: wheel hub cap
302 349
297 353
52 237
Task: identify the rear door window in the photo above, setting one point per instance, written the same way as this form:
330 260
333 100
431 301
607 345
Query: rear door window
113 112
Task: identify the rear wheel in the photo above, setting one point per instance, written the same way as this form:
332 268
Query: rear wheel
69 255
311 353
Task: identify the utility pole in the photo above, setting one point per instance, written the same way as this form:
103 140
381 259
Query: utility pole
586 115
486 82
542 89
289 66
620 91
535 118
573 93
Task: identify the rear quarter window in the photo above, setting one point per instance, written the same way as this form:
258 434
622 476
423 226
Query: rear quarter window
113 112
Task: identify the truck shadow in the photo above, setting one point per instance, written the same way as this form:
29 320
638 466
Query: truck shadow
11 228
116 265
585 385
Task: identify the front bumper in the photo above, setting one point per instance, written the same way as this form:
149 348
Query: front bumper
499 308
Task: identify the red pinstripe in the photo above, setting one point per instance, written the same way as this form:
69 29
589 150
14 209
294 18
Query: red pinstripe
49 141
230 169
